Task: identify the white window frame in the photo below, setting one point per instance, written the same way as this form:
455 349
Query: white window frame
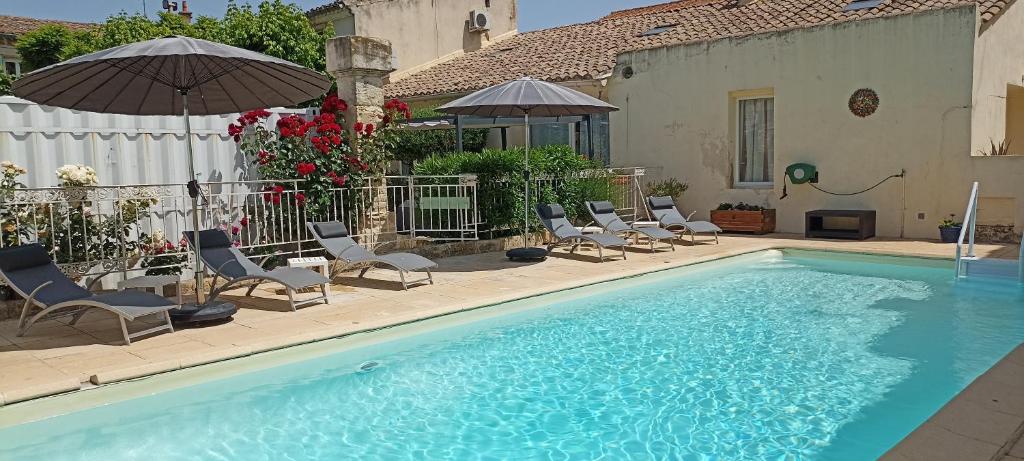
739 134
17 66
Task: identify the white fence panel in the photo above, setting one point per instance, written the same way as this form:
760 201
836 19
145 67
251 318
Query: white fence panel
124 149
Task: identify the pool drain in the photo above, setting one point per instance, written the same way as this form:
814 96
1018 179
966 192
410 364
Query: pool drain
367 367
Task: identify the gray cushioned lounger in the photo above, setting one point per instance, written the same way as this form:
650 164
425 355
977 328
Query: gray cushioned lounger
224 260
669 217
553 217
30 272
334 237
605 216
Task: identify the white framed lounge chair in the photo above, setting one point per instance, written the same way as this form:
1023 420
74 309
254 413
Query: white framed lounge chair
30 272
564 233
223 260
665 211
605 216
334 237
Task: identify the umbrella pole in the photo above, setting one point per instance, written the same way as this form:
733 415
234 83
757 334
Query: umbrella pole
526 175
193 191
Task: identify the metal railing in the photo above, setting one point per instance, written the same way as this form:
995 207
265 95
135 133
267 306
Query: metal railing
1020 262
621 186
92 230
967 231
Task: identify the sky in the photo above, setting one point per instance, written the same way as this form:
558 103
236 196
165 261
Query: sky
533 14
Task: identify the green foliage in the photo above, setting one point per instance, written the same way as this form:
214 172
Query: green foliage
51 44
997 150
5 83
950 222
670 187
560 176
739 207
275 28
413 146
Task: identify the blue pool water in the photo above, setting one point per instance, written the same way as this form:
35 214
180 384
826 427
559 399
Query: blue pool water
767 356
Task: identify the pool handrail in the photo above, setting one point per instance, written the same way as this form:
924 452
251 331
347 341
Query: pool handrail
967 230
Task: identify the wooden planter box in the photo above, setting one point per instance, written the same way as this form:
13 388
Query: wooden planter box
758 222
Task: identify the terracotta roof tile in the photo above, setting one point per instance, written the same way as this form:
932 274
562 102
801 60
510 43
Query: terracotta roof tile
588 50
17 25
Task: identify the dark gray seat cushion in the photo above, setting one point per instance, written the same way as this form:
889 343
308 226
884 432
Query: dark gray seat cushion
661 203
603 207
550 211
23 257
330 230
29 266
210 238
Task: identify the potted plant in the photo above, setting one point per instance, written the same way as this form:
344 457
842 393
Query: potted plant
743 217
949 230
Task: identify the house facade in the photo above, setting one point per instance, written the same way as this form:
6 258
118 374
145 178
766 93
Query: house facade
725 94
422 33
12 27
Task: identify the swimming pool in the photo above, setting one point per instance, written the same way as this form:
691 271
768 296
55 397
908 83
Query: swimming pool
802 354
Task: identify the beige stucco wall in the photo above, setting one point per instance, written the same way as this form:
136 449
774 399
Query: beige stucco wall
677 117
425 32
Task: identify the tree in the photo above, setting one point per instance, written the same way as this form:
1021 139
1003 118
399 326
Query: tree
5 83
277 29
51 44
273 27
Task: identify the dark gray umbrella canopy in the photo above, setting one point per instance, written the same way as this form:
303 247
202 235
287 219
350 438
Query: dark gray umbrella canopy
527 96
175 76
147 78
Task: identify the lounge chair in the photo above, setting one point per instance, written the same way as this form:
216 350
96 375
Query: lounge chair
553 217
30 272
334 237
605 216
669 217
224 260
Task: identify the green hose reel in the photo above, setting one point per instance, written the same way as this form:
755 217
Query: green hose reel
800 173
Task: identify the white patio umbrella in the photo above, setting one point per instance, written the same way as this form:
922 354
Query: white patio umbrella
526 97
174 76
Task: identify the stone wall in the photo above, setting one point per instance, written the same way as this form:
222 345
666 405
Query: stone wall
995 234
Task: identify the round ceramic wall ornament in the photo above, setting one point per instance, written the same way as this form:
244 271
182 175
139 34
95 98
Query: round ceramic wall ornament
864 102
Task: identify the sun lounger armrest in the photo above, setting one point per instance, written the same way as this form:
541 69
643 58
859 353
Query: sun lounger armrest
97 279
691 215
267 258
32 296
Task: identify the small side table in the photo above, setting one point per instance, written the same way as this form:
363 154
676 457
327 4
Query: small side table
317 261
153 282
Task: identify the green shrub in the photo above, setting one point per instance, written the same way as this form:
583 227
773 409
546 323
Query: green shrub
670 187
413 146
560 176
5 83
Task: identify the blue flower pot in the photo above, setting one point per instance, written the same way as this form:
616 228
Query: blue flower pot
950 234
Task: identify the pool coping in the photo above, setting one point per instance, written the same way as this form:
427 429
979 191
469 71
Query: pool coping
983 402
985 421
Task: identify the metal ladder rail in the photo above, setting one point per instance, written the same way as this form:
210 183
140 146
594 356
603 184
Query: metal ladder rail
970 217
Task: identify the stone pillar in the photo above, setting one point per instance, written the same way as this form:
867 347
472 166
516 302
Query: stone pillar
359 64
